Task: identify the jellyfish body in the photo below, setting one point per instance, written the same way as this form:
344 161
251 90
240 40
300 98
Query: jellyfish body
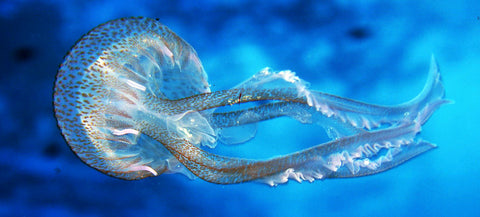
132 100
102 88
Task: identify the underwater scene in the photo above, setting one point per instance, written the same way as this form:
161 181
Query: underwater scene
239 108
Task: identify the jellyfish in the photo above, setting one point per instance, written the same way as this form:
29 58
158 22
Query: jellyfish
132 100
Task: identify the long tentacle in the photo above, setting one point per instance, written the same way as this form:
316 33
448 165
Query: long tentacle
354 156
299 111
355 113
358 155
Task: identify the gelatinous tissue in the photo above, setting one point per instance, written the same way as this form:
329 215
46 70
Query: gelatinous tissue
132 101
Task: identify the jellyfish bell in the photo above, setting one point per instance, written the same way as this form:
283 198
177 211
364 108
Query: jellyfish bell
103 88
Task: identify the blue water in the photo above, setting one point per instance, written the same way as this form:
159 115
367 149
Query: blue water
376 51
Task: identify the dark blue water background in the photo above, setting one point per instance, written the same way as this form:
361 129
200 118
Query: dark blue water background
375 51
